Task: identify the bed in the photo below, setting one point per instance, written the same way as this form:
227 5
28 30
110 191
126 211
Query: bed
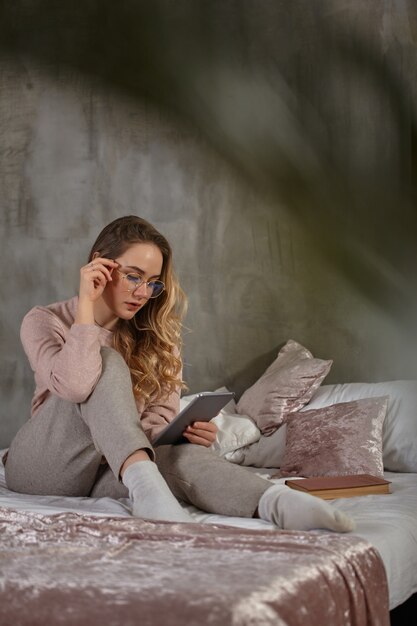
84 560
54 550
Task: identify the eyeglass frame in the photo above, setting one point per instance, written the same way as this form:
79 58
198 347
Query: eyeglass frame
143 282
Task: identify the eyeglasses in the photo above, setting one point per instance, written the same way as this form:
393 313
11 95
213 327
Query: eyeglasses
154 288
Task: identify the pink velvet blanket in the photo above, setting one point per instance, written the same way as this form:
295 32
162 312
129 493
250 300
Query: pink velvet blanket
83 570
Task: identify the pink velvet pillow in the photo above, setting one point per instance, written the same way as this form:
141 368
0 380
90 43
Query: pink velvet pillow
285 387
340 439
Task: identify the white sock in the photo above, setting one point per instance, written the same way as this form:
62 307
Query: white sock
150 494
293 510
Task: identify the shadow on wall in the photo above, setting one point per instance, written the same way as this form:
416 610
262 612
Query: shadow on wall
294 94
243 378
312 104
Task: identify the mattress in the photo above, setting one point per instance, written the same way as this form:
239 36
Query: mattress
388 522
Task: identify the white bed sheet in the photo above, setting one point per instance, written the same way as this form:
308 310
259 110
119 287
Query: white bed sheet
388 522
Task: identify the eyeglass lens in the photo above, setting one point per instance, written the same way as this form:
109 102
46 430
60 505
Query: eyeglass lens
153 288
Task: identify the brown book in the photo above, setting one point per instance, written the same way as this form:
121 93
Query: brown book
331 487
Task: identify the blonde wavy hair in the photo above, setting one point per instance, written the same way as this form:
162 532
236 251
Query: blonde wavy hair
151 342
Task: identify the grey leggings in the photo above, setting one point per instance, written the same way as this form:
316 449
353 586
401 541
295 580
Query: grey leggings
60 451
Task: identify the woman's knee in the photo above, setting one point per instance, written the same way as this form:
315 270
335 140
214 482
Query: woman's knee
113 364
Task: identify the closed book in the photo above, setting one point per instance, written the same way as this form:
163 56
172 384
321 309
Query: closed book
348 486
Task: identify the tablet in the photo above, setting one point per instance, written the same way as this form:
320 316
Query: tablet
202 408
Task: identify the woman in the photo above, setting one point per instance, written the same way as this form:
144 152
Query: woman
107 370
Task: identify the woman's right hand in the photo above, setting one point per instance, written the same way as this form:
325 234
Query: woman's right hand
94 277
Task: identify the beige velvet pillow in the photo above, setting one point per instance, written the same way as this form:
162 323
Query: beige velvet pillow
285 387
399 434
340 439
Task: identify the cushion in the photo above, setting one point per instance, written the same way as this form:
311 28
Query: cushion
234 431
285 387
399 432
344 438
265 452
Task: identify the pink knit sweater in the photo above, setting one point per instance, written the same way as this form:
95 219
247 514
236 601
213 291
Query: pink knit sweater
66 361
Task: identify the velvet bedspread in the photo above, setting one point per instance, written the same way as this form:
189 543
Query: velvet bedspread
83 570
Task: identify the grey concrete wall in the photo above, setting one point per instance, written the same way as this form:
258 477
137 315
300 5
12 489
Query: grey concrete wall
74 156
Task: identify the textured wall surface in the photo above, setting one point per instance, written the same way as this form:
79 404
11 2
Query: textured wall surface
74 156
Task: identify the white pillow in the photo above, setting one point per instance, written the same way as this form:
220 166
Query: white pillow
399 433
234 431
265 452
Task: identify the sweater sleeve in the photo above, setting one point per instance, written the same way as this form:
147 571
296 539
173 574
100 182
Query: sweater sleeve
157 415
66 362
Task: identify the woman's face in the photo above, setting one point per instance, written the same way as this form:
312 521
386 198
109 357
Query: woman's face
118 300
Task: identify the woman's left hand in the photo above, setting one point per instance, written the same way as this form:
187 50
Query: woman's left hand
201 433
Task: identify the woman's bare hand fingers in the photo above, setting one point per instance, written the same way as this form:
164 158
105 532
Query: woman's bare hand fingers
197 440
101 265
202 433
94 276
